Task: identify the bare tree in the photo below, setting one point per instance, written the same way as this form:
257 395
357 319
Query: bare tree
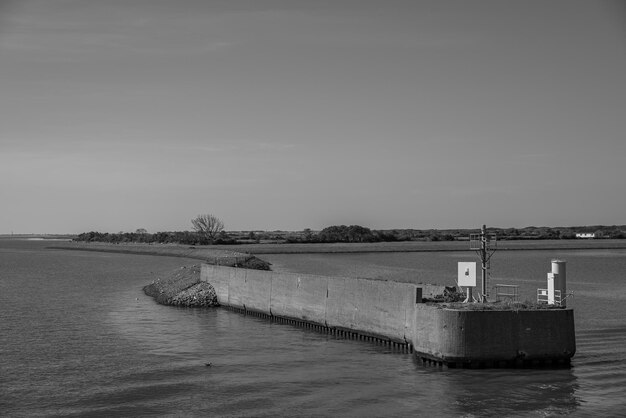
208 225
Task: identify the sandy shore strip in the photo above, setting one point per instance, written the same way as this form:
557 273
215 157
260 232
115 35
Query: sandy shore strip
211 255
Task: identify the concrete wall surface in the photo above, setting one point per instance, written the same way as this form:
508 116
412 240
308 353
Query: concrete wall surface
299 296
375 307
468 335
381 308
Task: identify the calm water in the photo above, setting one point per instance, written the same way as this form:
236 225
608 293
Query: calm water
79 338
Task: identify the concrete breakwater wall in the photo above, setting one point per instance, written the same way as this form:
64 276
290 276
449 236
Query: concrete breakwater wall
392 312
379 309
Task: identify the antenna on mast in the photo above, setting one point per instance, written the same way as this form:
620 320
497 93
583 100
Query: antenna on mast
485 245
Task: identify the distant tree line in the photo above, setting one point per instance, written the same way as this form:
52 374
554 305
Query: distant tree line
176 237
348 234
209 229
356 233
343 233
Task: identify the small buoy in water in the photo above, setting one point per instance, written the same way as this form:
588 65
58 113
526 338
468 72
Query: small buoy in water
136 298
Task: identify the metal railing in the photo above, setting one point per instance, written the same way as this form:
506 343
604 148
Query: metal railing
507 292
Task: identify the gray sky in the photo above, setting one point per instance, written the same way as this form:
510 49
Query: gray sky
125 114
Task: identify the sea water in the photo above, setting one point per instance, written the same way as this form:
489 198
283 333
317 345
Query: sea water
79 338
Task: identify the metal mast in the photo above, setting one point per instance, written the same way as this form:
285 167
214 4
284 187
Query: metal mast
485 246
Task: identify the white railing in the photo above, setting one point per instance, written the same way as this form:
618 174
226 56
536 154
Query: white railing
542 296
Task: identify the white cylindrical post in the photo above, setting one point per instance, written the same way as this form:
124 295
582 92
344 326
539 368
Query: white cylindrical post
551 277
560 278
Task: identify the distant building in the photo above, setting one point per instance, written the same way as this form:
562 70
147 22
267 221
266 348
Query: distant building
586 235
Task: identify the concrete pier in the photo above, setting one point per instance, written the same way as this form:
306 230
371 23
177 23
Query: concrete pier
391 313
471 338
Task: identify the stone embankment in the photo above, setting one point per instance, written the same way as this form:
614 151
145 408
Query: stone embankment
182 287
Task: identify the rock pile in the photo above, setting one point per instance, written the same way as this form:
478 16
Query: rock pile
182 288
200 294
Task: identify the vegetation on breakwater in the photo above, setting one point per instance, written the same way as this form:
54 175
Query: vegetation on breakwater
450 297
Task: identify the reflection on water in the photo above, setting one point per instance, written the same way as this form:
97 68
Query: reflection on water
509 393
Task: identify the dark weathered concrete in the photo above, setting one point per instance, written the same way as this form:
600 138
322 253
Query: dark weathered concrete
471 336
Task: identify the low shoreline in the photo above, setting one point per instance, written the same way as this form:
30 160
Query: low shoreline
222 253
211 255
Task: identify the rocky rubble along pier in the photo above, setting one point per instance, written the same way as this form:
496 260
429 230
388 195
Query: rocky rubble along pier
182 287
198 295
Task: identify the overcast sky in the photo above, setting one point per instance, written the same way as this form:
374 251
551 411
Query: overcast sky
125 114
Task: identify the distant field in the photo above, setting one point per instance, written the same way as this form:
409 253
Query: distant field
226 256
208 251
37 236
422 246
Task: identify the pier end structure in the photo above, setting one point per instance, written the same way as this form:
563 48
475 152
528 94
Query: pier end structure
392 312
494 338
